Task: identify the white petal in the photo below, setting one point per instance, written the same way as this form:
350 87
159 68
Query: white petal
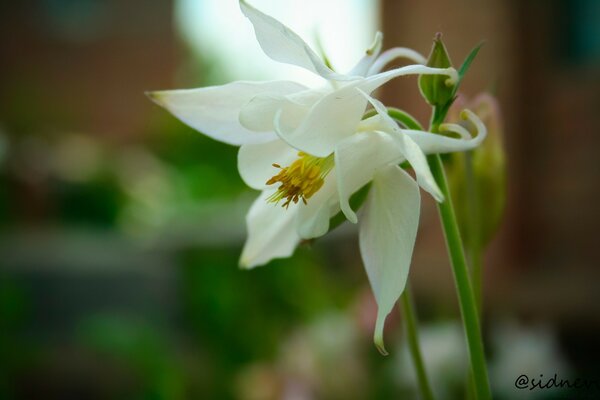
433 143
387 238
258 114
371 55
415 156
214 110
255 161
331 119
356 160
284 45
313 218
337 115
271 232
391 54
411 151
374 81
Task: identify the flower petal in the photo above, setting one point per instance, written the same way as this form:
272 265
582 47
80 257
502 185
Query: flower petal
356 160
387 237
255 161
363 66
331 119
337 115
434 143
374 81
313 217
415 156
282 44
391 54
411 151
214 110
271 232
258 114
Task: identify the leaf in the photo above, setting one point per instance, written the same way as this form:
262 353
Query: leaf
467 64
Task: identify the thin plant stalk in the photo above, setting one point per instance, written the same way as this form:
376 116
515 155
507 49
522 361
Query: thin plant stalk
464 289
412 335
474 247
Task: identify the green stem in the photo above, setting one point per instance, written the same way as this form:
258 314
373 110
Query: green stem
474 248
466 298
412 334
477 279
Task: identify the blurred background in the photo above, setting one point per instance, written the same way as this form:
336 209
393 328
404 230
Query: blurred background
120 227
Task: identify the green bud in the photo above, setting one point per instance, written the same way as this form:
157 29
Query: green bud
478 178
436 89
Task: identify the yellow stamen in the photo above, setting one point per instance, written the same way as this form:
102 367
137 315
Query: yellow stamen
301 179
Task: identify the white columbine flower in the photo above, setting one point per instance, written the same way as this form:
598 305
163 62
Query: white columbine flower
310 150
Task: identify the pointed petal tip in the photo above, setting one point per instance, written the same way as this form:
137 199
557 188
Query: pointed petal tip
154 96
378 340
376 45
350 214
378 335
245 261
438 196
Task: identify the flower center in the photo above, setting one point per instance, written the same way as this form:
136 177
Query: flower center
301 179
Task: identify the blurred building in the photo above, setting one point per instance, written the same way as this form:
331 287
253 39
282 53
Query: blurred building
83 65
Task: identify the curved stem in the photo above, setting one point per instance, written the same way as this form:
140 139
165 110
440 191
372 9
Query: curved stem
412 335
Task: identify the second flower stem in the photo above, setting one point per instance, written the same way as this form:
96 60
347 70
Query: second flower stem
466 298
412 335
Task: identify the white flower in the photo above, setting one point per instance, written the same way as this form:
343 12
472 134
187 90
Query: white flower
310 149
243 112
389 222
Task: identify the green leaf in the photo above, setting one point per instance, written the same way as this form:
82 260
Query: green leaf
467 64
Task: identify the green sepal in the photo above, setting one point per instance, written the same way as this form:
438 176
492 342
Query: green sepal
441 110
435 88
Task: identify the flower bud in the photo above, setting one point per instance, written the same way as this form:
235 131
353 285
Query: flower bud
478 178
437 89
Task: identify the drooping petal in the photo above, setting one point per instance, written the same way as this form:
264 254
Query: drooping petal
387 236
214 110
271 232
313 218
356 160
415 156
411 151
365 63
255 161
282 44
